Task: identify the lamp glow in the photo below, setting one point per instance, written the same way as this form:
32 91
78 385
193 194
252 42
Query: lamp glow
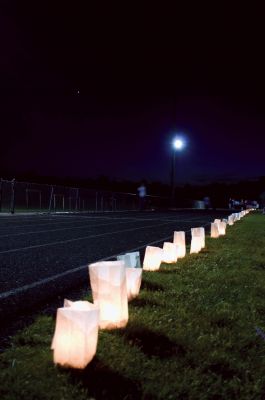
178 144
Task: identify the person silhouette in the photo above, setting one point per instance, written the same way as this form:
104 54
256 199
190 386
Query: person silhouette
207 202
142 194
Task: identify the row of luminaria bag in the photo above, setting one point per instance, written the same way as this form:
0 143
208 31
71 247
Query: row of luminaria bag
168 254
77 323
230 220
175 250
113 284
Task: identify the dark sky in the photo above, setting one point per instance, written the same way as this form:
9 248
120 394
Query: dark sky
88 91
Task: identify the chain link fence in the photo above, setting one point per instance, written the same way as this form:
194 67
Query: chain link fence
33 197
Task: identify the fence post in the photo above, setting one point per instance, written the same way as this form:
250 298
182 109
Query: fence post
27 196
51 196
1 191
76 199
112 202
12 202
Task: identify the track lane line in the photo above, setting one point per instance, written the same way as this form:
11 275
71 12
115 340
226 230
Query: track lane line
33 285
75 218
82 238
87 226
61 229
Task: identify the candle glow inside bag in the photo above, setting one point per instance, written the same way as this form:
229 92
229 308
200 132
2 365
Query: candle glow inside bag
180 241
109 291
152 258
170 253
75 339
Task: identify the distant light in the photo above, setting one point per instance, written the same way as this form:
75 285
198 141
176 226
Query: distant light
178 144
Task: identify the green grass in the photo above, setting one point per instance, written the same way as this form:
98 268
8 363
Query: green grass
191 334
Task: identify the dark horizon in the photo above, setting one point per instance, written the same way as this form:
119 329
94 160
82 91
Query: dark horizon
83 99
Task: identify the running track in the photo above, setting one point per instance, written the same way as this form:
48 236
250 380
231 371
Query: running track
43 256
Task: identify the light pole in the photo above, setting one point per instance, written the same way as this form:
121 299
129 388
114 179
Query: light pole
177 145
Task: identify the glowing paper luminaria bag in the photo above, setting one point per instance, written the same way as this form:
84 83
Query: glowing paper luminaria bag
109 291
76 334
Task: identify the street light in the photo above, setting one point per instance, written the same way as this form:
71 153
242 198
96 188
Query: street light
177 145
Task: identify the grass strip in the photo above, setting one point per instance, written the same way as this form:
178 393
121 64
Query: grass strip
197 331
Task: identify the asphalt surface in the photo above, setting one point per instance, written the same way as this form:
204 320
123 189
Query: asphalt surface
44 258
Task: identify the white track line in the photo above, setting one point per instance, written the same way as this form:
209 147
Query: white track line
81 238
62 229
73 221
87 226
144 219
13 292
33 285
47 223
67 220
93 218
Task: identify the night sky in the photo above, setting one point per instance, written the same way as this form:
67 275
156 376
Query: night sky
88 92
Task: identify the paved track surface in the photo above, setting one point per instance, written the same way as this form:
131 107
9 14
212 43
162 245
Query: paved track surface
45 257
